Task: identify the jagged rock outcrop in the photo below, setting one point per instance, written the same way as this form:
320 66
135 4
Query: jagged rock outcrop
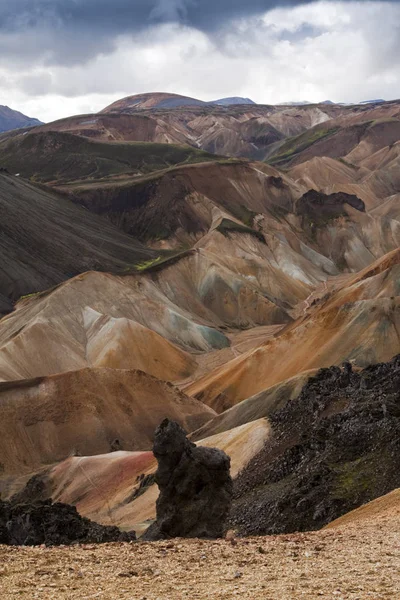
321 208
52 524
195 487
334 448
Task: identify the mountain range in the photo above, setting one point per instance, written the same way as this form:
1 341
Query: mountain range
233 267
12 119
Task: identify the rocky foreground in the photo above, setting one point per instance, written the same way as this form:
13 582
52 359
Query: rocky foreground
45 523
357 560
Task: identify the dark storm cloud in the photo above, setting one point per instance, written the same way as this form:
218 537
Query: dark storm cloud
68 32
121 16
124 15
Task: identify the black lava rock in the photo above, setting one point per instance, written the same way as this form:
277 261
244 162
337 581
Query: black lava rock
52 525
320 207
334 448
195 487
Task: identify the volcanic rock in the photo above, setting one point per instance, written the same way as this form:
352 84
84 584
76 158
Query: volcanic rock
322 207
195 487
53 525
333 449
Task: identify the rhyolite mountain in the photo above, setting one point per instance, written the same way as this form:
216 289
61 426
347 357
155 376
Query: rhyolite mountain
161 100
45 238
281 135
202 263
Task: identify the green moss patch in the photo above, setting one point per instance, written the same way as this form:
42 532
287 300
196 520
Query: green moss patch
301 142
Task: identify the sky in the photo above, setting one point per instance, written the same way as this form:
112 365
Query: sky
66 57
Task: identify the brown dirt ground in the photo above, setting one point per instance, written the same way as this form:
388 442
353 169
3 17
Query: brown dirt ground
359 562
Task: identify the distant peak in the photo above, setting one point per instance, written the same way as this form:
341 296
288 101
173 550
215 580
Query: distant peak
164 100
151 100
232 100
13 119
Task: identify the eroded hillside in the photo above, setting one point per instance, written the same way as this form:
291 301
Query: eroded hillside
207 289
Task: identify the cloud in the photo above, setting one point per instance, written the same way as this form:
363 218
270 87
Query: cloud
72 31
344 51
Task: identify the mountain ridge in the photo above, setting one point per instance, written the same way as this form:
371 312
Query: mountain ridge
12 119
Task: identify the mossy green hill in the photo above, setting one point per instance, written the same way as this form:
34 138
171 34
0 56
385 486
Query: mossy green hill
58 156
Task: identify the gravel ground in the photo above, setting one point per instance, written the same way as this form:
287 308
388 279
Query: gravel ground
357 562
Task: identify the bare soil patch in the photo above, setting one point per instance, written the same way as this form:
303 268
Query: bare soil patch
355 563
